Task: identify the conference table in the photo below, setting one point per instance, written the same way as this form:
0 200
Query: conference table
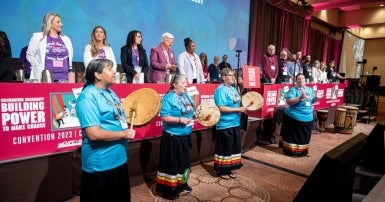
31 127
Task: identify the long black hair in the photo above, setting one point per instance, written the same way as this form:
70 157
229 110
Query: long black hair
131 39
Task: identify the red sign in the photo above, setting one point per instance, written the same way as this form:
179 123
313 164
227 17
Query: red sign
40 119
251 77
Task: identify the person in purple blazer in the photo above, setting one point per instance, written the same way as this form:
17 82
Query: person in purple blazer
162 59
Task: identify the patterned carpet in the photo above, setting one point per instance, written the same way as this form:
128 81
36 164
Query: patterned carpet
267 174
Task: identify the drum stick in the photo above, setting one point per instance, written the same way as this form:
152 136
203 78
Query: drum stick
133 111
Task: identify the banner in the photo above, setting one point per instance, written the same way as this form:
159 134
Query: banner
251 77
332 95
40 119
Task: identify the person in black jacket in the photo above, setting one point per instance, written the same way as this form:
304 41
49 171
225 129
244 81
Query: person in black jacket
6 74
134 58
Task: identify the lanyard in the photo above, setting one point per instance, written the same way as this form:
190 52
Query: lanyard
136 54
187 105
116 105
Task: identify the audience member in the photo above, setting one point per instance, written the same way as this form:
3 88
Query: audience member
177 114
227 130
270 65
203 58
50 49
189 63
224 63
6 74
98 48
214 70
162 59
298 118
105 136
134 58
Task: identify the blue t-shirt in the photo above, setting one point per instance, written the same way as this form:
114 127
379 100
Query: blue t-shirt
178 106
303 110
94 107
227 96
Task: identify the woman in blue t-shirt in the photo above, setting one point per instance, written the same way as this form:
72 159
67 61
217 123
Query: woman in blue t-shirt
298 118
105 137
228 140
176 113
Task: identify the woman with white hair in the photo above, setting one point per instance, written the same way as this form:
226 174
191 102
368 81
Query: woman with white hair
162 59
50 49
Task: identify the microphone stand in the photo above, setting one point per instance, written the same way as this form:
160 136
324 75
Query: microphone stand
238 55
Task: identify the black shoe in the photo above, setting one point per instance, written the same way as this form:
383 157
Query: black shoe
232 175
168 196
184 188
224 175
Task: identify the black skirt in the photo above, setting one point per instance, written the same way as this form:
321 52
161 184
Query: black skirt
109 185
296 136
227 150
174 161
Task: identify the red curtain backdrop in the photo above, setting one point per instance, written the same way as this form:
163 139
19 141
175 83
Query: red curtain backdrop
287 26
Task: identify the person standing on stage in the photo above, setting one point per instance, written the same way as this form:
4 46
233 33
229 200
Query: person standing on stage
6 74
323 74
205 67
294 67
50 49
105 136
224 63
98 48
316 71
134 57
298 118
283 69
162 59
269 65
307 68
332 73
176 113
227 130
24 62
214 70
189 63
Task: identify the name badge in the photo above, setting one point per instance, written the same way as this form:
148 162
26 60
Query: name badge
123 122
191 123
307 103
58 63
188 108
272 67
284 73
